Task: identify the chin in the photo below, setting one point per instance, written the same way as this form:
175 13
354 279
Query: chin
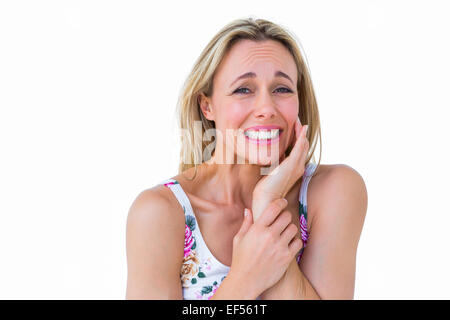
260 159
263 161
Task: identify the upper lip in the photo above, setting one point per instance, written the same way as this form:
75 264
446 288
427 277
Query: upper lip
266 127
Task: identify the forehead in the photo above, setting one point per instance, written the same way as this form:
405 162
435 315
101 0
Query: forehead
247 54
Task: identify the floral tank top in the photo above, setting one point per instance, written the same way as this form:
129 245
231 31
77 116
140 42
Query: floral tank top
201 273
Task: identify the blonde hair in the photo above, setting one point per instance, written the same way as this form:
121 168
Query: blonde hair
201 77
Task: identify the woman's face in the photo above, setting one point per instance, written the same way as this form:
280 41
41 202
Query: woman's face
266 97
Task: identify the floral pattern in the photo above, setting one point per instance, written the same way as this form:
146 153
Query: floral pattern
189 240
191 269
214 288
303 229
167 184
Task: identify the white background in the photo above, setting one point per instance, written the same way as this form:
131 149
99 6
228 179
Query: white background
87 121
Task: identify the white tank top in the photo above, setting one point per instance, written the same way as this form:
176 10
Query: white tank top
201 273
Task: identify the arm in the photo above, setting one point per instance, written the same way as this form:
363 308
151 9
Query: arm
154 242
327 268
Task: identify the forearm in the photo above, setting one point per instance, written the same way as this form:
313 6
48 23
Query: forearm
292 286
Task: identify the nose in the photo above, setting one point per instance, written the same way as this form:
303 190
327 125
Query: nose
265 107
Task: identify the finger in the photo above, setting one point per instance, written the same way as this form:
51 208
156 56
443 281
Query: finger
297 150
295 133
292 138
297 128
272 211
295 246
289 233
247 223
305 153
281 222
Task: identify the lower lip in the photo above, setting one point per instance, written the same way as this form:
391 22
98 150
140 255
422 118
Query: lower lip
264 141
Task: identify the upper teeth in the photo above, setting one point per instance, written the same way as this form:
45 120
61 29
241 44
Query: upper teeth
258 134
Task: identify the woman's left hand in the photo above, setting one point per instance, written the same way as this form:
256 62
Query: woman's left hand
281 179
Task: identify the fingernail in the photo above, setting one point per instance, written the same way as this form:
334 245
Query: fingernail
285 201
245 212
306 129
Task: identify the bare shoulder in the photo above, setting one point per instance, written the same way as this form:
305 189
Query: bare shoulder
155 205
331 182
337 173
154 244
338 191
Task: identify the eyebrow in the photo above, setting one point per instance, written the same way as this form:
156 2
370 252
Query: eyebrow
253 75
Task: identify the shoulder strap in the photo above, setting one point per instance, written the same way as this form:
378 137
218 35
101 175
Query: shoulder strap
309 170
182 198
193 236
303 210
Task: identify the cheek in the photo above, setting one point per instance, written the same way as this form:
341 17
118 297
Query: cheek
234 115
230 118
290 109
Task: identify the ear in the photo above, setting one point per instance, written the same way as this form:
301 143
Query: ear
205 106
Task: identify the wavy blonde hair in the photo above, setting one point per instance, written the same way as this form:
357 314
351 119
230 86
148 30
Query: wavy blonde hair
200 80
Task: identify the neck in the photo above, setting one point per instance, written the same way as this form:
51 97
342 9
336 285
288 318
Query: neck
230 184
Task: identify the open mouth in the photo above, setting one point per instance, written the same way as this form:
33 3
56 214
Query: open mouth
263 136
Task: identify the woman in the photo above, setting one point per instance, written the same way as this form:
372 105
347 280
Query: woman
259 239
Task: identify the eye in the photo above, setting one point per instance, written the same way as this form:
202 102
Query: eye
288 90
239 90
